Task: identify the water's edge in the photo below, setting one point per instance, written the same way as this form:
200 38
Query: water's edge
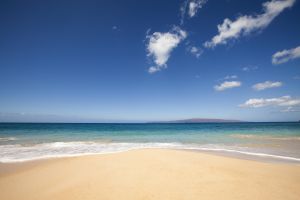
61 150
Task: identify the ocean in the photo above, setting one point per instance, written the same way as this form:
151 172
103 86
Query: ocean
30 141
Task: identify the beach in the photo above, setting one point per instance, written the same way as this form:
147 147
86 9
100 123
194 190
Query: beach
149 174
150 100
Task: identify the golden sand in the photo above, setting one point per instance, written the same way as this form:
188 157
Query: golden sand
149 174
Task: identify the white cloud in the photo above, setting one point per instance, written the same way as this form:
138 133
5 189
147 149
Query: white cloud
195 51
290 109
227 85
194 6
160 46
286 55
246 24
266 85
281 101
114 28
191 7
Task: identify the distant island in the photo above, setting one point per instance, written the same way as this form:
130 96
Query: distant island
200 120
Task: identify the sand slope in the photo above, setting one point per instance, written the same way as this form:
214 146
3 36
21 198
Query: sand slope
150 174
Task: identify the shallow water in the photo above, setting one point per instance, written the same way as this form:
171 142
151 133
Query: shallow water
28 141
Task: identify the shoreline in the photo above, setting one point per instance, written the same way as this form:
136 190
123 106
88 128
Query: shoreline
7 168
231 153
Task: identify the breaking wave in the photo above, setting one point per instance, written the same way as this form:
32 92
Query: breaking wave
20 153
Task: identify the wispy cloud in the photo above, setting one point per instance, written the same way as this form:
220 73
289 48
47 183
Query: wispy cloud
183 9
266 85
281 101
247 24
230 77
290 109
160 45
190 7
196 51
296 77
194 6
249 68
285 55
227 85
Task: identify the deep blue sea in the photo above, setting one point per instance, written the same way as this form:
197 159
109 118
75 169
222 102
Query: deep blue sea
29 141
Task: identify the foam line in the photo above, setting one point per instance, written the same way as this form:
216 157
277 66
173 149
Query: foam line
19 153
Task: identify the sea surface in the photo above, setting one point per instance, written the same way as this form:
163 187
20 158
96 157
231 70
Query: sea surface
29 141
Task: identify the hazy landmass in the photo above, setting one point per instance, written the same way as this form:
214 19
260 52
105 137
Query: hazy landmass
200 120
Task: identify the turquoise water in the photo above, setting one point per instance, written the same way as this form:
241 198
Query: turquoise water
28 141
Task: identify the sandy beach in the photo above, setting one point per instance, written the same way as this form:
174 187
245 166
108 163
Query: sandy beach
149 174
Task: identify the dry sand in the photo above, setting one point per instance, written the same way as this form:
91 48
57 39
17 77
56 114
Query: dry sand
149 174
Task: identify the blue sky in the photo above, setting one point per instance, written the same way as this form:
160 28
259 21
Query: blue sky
106 61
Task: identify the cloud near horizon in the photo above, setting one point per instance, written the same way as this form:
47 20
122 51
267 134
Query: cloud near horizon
261 102
266 85
227 85
290 109
160 45
244 25
286 55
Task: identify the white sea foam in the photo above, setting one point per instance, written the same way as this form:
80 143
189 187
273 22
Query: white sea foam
6 139
19 153
265 137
